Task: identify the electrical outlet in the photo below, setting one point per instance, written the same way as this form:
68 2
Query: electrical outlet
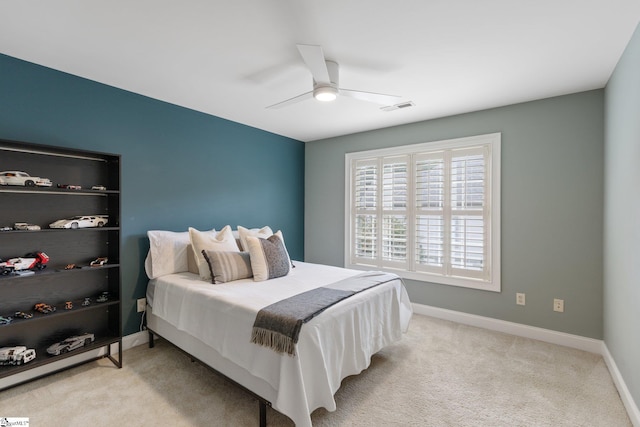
558 305
520 299
142 303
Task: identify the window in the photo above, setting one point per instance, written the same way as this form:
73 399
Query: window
428 211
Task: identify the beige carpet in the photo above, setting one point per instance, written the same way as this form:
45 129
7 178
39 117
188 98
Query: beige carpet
440 374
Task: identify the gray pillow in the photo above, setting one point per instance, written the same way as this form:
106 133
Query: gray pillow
269 257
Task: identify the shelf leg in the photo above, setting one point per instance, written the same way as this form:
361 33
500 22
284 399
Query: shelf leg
117 362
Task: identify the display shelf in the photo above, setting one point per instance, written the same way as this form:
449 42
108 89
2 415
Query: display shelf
54 285
42 358
60 311
58 191
59 270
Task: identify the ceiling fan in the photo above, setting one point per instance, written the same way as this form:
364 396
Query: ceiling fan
326 81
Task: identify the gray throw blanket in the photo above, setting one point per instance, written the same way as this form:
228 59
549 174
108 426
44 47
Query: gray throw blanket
278 325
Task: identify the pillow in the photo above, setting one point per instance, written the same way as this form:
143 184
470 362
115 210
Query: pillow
219 242
243 233
169 252
228 266
269 257
263 232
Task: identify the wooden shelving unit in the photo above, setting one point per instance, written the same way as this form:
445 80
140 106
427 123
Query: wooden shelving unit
55 285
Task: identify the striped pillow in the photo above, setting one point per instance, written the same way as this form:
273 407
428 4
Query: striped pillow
228 266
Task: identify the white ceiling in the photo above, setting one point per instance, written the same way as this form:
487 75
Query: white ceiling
232 58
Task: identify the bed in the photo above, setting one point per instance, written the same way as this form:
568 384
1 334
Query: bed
213 323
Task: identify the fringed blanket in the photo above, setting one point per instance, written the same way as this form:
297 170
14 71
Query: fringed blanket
278 325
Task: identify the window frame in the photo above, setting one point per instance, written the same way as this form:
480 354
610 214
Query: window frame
491 142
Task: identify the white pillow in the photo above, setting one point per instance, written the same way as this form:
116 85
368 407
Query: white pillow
168 253
222 241
243 232
269 257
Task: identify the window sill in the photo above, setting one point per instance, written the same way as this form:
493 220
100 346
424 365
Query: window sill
492 286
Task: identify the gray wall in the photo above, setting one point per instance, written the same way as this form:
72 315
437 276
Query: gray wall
622 216
552 213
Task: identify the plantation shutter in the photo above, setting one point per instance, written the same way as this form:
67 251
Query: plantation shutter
365 207
469 212
395 196
430 211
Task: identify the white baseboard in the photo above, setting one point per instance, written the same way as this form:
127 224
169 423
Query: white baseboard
568 340
134 340
625 395
546 335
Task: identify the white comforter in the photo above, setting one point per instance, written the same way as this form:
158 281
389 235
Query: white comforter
332 346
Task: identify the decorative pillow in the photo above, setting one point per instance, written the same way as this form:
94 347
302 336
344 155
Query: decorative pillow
168 253
192 262
243 233
220 242
228 266
269 257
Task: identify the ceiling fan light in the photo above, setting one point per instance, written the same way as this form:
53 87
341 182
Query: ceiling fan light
325 93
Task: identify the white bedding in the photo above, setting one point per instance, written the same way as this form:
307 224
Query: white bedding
332 346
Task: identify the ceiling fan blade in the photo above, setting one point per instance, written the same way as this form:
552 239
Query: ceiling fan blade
290 101
314 58
377 98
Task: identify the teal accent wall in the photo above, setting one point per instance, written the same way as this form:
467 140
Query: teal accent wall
552 196
622 217
180 167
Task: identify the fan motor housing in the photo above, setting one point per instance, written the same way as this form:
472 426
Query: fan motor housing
328 91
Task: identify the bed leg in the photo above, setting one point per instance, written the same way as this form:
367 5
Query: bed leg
263 413
151 343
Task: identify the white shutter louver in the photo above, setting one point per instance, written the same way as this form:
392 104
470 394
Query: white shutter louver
395 175
468 213
365 225
429 193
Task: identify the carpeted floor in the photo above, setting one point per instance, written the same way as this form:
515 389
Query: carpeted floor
440 374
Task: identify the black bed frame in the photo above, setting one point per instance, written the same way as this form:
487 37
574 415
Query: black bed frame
262 402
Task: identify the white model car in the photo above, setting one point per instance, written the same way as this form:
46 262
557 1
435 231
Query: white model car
70 343
23 178
25 226
16 355
82 221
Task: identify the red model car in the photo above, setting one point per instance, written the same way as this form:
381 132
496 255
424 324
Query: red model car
32 261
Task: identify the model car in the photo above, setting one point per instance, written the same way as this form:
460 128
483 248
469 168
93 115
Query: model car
99 262
70 343
70 187
25 226
103 297
32 261
99 187
22 315
44 308
5 320
23 178
16 355
82 221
